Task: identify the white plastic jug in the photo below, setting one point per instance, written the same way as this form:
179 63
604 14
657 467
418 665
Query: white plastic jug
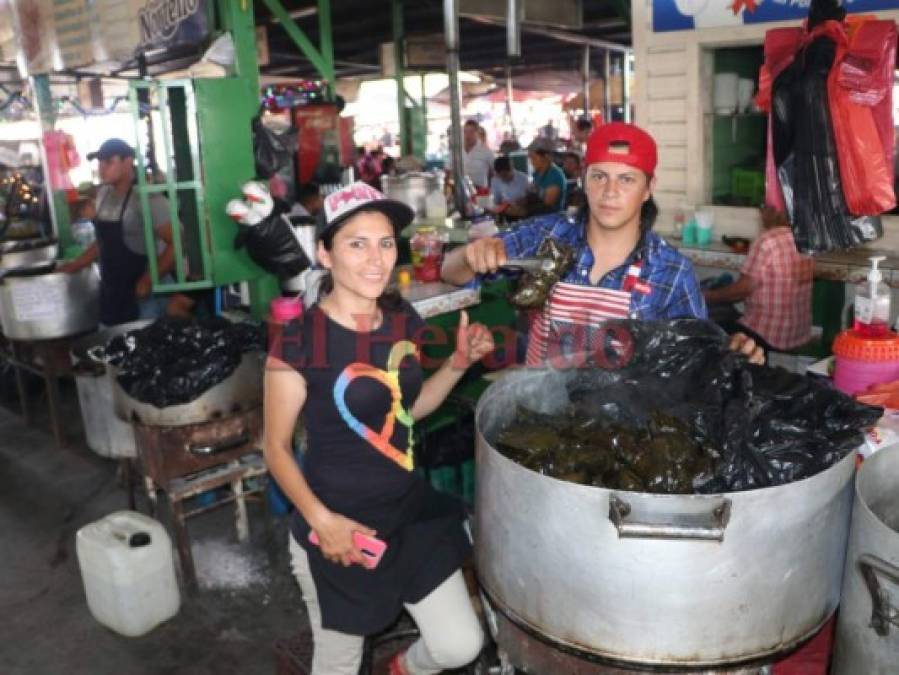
128 572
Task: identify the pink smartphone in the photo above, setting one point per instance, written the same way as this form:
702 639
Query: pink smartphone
372 548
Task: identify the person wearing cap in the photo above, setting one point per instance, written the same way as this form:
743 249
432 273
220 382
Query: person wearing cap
549 182
351 367
120 245
622 268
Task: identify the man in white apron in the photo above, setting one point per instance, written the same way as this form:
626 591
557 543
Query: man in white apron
622 269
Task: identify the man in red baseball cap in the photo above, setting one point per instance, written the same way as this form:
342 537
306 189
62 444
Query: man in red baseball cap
622 268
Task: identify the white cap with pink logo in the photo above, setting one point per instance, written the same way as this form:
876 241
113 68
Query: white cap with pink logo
360 196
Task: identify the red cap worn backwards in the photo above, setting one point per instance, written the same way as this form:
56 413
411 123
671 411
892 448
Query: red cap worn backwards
622 142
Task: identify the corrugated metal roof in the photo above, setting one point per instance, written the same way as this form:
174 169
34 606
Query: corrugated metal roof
359 28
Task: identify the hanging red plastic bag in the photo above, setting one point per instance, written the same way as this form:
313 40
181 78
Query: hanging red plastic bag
860 92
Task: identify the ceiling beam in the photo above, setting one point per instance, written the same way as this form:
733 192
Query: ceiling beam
560 35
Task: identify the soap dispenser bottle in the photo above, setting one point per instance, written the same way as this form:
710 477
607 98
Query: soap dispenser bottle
872 303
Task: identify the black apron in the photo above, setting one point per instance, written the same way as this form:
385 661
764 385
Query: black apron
120 270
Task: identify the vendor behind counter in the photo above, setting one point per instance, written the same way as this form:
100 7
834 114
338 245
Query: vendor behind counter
775 285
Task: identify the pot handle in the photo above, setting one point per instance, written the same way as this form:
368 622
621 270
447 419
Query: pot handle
883 613
706 525
227 444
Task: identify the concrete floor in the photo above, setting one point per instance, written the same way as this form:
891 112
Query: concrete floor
47 494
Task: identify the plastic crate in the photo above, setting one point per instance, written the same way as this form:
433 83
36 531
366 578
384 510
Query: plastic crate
748 185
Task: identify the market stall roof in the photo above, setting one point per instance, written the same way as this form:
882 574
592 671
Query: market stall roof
357 42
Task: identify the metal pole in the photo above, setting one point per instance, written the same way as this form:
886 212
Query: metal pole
586 82
513 29
326 43
43 103
626 79
510 98
424 117
607 89
451 30
399 73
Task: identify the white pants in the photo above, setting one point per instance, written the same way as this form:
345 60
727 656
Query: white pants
451 635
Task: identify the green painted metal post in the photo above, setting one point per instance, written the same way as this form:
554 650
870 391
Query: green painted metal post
237 18
326 44
399 73
56 199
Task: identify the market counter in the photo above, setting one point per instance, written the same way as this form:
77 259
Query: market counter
846 266
434 298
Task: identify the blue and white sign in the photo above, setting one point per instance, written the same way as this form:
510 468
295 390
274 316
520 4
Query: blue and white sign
668 15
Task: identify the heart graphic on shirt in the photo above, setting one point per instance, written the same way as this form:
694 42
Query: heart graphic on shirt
390 378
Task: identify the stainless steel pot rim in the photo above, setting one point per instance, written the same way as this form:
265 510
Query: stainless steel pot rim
769 490
868 468
610 659
18 245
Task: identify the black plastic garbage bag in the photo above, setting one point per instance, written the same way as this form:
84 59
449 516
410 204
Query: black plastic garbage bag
272 151
700 407
273 246
173 361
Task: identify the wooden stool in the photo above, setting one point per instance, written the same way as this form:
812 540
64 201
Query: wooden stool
233 474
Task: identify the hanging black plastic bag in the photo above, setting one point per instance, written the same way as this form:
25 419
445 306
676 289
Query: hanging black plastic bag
272 151
273 246
805 155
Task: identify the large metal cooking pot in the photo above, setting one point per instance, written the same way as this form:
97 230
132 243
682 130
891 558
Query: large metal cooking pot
412 189
868 626
27 254
105 433
654 580
239 392
50 305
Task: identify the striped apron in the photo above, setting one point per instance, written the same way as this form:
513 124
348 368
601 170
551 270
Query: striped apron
570 322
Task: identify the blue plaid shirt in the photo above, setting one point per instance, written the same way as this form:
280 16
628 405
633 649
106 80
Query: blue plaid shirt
674 289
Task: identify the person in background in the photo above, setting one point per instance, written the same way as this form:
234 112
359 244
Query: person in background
549 183
388 166
583 127
509 188
348 365
571 167
368 167
622 268
775 285
509 144
309 201
477 158
482 136
120 246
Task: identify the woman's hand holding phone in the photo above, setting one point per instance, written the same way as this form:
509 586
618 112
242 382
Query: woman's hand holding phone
335 536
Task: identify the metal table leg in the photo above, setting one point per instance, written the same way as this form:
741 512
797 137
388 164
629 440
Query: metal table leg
51 382
182 540
127 476
240 510
150 487
20 384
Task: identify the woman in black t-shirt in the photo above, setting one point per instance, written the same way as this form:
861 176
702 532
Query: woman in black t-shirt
351 368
